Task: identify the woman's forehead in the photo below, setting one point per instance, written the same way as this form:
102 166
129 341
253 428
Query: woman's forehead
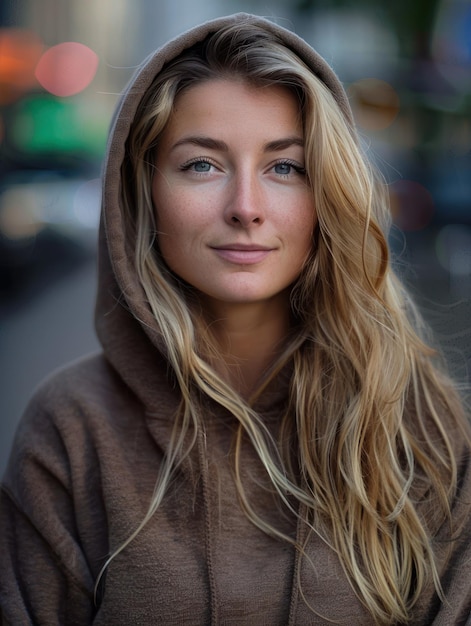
216 109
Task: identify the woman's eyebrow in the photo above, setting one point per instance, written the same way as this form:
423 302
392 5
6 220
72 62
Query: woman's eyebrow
216 144
282 144
203 142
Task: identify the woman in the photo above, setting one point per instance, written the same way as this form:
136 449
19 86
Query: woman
265 438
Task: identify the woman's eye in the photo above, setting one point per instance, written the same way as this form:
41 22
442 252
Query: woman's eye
201 166
283 168
197 166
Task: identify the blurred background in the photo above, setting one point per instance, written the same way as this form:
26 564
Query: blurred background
407 68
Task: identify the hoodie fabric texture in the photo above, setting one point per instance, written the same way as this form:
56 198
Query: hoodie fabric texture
90 446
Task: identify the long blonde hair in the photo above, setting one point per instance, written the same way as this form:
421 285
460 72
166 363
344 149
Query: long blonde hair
365 399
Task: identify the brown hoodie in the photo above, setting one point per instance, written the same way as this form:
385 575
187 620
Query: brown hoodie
89 448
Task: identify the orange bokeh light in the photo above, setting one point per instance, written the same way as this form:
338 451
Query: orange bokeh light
375 103
67 68
20 51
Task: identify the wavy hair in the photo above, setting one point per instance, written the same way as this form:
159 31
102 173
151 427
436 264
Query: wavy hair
363 419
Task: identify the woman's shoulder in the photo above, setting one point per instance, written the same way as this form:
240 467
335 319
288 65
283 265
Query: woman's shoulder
77 412
79 391
85 377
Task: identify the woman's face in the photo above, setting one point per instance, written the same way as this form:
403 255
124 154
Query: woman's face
235 214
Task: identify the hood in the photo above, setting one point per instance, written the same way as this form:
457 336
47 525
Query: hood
125 325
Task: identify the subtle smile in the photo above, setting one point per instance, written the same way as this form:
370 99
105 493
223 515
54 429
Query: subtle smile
242 254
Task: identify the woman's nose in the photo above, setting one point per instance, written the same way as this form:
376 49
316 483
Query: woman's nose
245 205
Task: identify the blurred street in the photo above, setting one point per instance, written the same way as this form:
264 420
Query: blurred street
443 296
40 335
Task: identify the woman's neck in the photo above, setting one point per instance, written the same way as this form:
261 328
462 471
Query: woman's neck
249 337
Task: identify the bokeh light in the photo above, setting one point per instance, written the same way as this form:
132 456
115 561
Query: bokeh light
375 103
87 204
20 51
412 205
452 38
19 215
44 123
453 248
67 68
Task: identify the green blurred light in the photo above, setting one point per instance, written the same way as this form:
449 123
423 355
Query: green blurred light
45 124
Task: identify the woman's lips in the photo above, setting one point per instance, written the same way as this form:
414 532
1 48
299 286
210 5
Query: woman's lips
242 254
